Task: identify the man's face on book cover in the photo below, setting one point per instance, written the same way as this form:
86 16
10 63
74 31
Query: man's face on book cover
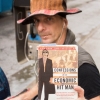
45 53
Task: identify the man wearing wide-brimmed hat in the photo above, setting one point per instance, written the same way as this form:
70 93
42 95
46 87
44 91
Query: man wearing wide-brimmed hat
49 17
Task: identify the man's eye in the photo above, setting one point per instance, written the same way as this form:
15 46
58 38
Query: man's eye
36 21
49 19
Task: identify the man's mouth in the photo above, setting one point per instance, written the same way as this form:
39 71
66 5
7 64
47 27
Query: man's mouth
45 36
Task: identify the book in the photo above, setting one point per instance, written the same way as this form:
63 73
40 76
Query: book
58 72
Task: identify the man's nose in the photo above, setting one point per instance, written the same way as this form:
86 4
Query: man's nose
41 26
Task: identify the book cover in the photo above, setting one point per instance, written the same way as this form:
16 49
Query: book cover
58 72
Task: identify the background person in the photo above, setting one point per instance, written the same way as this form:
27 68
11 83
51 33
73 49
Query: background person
4 86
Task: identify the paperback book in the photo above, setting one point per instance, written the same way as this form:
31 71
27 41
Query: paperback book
58 72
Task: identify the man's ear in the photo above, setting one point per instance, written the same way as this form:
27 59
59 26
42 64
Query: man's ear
65 23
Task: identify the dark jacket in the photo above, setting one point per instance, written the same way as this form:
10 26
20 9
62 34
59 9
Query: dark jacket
4 86
48 70
44 77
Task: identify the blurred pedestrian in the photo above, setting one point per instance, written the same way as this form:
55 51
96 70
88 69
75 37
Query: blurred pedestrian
4 86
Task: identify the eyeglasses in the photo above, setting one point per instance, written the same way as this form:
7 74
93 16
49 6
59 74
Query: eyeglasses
45 52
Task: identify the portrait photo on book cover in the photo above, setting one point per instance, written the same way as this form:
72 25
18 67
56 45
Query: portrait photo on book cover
45 76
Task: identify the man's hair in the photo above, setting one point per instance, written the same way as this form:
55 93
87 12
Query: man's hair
45 51
62 15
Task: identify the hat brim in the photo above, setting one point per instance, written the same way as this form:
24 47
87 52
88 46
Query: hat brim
29 19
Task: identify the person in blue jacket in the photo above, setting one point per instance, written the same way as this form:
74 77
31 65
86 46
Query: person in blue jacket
4 86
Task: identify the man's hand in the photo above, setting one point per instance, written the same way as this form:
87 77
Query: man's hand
12 98
80 92
28 95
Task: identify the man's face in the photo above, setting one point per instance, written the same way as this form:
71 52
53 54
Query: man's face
49 28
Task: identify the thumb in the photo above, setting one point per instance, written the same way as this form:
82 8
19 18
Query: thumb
80 91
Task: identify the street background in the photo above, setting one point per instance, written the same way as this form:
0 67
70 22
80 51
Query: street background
85 25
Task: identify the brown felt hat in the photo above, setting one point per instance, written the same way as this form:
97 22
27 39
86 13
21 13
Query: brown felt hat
47 7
